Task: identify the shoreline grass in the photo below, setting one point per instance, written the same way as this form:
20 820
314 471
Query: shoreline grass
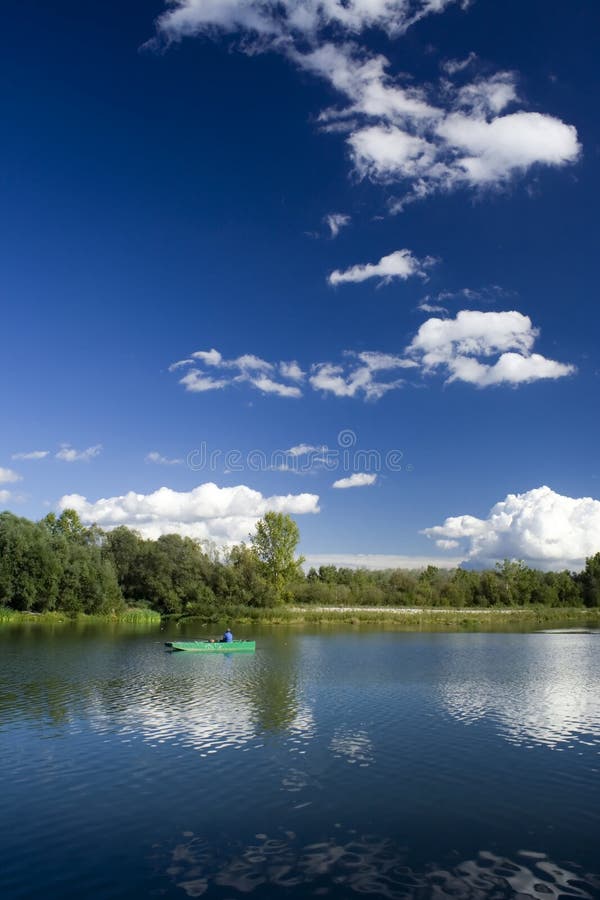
410 619
400 618
131 616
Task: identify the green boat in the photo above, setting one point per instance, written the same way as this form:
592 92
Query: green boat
213 646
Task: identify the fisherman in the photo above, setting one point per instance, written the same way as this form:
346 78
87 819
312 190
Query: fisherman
227 637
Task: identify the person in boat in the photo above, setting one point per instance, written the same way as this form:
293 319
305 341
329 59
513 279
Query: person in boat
227 637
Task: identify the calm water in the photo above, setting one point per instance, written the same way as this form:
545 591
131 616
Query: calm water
326 765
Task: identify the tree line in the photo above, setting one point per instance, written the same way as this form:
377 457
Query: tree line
60 564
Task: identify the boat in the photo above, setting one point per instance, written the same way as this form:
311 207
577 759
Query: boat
213 646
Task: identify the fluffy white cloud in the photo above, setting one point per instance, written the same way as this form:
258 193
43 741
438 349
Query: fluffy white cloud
455 345
160 460
335 222
545 529
493 150
70 454
400 264
208 512
8 476
291 370
357 479
462 349
33 454
426 140
5 496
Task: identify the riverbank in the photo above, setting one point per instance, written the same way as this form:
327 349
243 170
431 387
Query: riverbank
410 618
401 618
128 616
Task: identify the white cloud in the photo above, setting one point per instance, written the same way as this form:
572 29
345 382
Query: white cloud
197 383
478 348
400 264
210 357
155 457
358 380
429 139
5 496
494 150
208 512
455 344
277 22
33 454
545 529
248 368
335 222
357 479
69 454
452 66
8 476
269 386
378 561
291 370
303 450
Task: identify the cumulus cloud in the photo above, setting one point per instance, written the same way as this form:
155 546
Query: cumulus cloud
208 512
32 454
248 369
456 346
429 139
8 476
479 348
335 222
70 454
400 264
357 479
547 530
160 460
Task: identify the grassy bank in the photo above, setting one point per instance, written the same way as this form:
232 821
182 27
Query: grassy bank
412 619
130 616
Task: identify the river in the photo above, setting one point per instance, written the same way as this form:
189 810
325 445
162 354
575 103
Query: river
331 763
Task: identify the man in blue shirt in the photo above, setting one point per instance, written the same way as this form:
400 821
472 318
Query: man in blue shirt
227 637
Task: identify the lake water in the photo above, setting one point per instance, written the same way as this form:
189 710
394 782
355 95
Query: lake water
331 764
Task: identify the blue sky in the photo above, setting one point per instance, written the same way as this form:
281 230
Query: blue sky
167 178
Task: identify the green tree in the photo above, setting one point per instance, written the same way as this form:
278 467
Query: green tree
274 544
590 581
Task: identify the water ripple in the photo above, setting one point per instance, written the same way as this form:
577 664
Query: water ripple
369 865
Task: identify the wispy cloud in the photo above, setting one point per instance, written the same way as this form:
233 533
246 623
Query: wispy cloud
420 139
335 222
480 348
33 455
269 378
8 476
160 460
69 454
357 479
400 264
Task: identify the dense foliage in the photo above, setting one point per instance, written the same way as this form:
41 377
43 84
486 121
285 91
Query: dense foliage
58 564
